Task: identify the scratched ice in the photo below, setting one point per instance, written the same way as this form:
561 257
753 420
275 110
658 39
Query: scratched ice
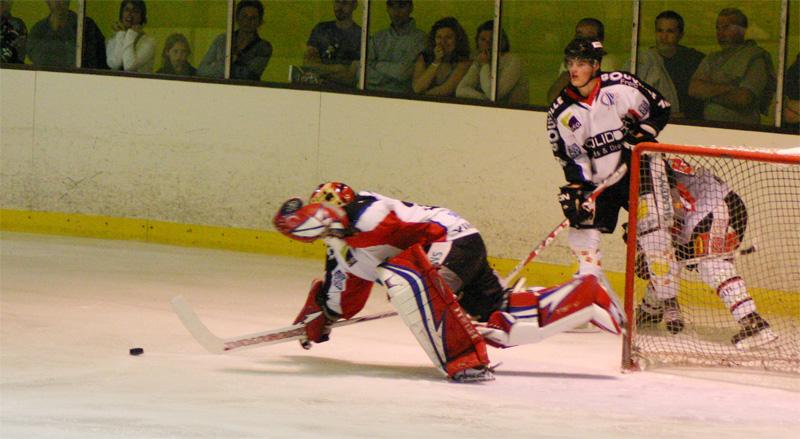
71 309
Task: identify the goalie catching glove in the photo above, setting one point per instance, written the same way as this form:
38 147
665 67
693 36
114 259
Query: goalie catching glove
573 199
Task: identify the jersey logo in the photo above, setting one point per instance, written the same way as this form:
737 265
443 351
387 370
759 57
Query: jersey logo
573 150
607 99
603 144
338 280
644 108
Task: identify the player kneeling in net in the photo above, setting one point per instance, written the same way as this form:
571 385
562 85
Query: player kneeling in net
710 221
433 264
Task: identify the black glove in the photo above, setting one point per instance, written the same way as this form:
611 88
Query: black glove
572 197
634 133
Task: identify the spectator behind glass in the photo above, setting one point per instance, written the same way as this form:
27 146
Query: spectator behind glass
512 84
130 49
791 92
13 35
392 51
445 60
585 28
334 47
52 40
249 53
737 82
175 57
669 66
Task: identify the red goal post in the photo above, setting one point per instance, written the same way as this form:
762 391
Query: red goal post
769 183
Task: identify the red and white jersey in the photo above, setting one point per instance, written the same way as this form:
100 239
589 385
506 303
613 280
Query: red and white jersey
701 193
586 133
383 227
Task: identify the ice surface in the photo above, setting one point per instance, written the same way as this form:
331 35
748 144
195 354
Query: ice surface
71 309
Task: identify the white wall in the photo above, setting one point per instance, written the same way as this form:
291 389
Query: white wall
228 155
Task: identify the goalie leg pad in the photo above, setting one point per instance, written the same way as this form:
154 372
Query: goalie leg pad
428 307
733 293
558 309
662 267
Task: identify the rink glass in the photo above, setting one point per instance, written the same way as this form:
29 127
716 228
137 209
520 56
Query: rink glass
469 13
199 20
700 28
539 30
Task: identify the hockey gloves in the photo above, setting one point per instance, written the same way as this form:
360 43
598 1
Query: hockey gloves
572 199
638 132
316 321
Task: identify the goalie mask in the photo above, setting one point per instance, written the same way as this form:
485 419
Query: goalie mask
310 222
333 192
680 166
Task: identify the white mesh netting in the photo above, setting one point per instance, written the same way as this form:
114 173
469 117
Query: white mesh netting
735 232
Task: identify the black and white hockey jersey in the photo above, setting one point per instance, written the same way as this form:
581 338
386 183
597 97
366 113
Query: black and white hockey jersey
586 133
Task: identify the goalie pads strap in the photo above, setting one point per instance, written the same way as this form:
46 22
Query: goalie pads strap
429 308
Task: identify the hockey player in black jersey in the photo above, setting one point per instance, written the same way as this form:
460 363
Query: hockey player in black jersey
592 125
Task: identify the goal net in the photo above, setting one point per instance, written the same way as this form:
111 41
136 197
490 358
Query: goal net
713 261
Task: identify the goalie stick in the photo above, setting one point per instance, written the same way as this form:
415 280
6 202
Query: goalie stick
217 345
615 177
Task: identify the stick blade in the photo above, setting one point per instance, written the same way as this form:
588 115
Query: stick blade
192 323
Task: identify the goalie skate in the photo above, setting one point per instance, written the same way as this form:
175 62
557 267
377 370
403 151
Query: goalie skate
672 316
648 315
755 332
474 375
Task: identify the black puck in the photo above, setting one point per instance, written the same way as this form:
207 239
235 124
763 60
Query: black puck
136 351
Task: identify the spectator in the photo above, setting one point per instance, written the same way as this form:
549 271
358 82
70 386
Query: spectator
791 95
52 40
392 51
737 82
130 49
585 28
669 66
175 57
249 53
445 60
13 35
334 47
512 84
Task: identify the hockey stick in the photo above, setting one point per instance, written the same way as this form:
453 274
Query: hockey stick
217 345
615 177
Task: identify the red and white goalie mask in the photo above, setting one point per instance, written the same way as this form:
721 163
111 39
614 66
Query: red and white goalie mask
310 222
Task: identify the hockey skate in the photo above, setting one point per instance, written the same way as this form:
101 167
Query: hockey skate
672 316
648 315
755 332
474 375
